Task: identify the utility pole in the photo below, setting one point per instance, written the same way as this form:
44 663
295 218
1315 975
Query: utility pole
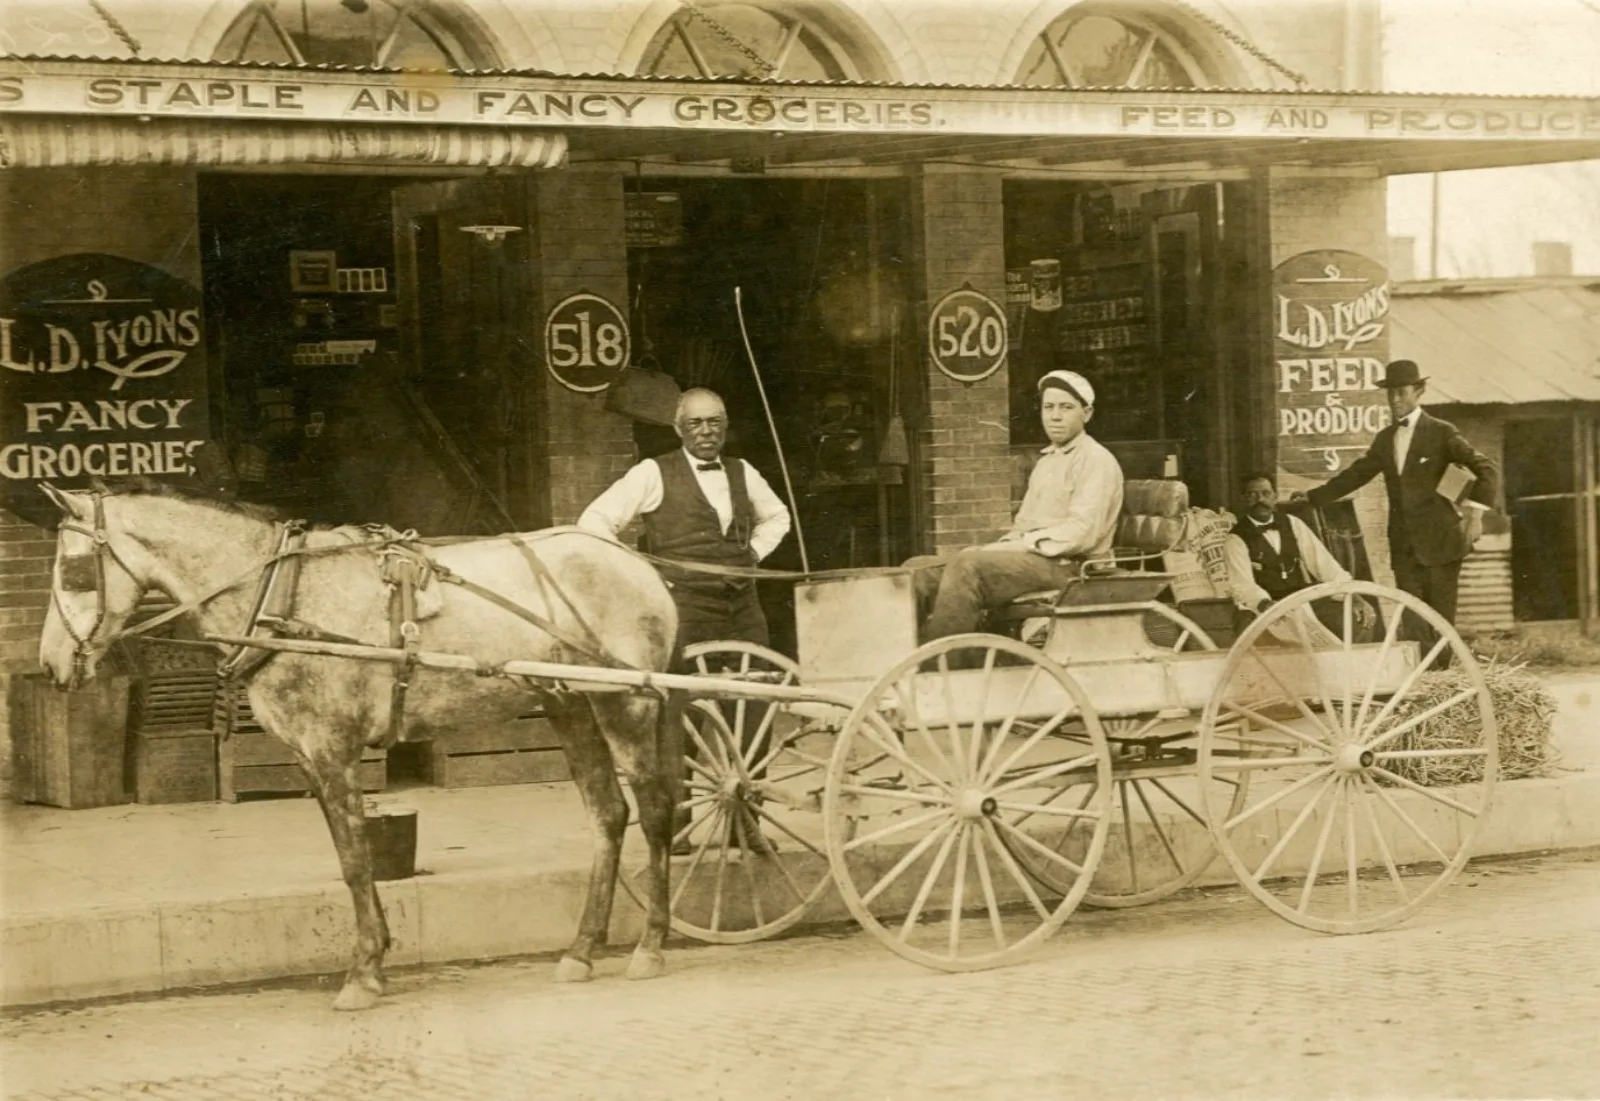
1433 231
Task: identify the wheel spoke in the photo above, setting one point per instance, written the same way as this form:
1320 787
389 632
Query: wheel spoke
1418 719
926 887
1383 844
1006 724
1255 716
1428 754
906 861
893 748
1037 846
714 783
958 756
1349 661
958 895
1400 813
1304 634
1127 834
990 903
1094 786
1155 824
1390 633
1294 828
1351 882
1049 810
976 752
895 827
1275 799
699 855
1187 809
1010 862
722 872
1256 764
1034 739
763 812
1408 684
1316 860
1300 704
716 759
908 708
1431 793
900 795
1045 772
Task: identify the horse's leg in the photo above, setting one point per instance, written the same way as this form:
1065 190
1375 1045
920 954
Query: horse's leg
646 737
596 777
336 783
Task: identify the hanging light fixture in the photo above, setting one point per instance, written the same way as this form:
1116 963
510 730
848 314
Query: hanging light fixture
491 235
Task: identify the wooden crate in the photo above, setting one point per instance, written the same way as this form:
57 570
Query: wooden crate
69 747
521 752
251 761
175 766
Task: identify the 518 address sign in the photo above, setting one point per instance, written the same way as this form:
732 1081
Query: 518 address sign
586 342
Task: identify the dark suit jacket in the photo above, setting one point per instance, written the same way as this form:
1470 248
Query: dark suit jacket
1418 517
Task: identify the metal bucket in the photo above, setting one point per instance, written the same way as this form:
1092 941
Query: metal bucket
392 840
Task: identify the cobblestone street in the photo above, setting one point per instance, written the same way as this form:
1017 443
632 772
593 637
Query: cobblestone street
1492 992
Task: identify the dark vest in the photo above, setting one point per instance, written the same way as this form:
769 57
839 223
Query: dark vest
686 526
1278 572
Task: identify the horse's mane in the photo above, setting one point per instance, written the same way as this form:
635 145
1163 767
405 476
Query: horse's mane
146 487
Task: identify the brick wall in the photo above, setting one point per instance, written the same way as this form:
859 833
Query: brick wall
965 469
578 246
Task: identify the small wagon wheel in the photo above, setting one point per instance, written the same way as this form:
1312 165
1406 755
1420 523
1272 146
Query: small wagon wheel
1158 842
749 860
945 758
1371 770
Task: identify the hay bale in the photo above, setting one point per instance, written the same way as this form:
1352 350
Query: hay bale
1522 705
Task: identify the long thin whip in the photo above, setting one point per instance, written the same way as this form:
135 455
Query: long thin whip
772 426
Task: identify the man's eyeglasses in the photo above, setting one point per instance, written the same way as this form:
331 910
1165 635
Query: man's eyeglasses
696 424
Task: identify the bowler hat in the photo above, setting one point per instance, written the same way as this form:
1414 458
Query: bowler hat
1402 372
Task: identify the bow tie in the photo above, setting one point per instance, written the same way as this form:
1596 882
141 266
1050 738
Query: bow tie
708 466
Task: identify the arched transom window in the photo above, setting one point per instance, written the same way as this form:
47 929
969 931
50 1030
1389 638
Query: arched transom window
1103 47
387 34
744 41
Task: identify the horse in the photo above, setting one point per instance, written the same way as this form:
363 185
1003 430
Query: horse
525 596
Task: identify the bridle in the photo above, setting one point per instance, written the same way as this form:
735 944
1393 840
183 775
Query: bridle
81 573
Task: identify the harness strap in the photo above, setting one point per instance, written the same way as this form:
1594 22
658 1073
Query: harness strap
547 583
274 602
575 645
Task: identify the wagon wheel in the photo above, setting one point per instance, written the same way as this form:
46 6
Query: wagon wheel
1169 629
1364 764
751 862
982 746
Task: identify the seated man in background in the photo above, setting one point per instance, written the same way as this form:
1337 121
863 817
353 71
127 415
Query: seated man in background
1068 514
1271 555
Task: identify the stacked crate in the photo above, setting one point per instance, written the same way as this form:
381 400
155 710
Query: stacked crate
172 745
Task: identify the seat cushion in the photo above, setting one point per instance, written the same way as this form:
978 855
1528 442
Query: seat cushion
1153 515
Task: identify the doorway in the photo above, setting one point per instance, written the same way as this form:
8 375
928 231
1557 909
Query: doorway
1541 486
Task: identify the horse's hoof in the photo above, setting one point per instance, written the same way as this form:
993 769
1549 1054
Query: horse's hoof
646 963
356 996
571 970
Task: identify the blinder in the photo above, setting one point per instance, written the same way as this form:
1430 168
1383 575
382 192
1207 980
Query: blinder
80 573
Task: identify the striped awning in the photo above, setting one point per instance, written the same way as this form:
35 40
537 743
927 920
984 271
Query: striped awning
46 142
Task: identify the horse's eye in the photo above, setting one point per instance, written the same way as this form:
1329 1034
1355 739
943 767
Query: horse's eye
80 573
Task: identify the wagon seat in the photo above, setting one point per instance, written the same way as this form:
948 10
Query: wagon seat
1108 611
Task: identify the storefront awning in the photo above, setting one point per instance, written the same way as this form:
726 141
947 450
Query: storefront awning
801 124
41 141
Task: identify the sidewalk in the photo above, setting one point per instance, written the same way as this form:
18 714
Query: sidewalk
141 899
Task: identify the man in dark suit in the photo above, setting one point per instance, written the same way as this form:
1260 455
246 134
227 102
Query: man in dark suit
1428 536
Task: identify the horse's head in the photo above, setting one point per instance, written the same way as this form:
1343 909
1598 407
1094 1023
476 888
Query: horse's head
93 588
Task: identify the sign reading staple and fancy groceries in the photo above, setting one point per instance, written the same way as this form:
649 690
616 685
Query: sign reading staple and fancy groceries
1330 335
43 86
102 373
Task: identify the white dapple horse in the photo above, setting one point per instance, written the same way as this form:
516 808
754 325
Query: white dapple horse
115 544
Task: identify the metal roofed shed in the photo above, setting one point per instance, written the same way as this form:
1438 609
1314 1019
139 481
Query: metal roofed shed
1515 364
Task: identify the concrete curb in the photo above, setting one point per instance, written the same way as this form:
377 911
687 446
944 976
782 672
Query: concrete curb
484 915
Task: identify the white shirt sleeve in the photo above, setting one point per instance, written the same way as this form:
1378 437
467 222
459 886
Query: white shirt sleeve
772 521
631 496
1241 578
1321 566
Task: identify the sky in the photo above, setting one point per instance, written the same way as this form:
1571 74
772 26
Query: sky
1489 219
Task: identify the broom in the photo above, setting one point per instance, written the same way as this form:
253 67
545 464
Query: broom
893 450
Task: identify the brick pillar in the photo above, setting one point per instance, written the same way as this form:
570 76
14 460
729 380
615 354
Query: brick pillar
1311 209
578 245
963 475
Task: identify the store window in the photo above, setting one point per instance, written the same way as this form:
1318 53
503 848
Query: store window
370 33
745 41
1095 46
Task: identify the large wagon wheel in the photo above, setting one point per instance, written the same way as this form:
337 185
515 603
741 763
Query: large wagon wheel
943 760
750 860
1158 842
1371 773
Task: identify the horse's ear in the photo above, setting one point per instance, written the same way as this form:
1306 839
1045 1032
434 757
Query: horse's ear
66 502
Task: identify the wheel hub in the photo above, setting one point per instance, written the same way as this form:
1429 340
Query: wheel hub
973 805
1354 759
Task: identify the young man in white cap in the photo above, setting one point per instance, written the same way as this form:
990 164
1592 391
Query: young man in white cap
1068 514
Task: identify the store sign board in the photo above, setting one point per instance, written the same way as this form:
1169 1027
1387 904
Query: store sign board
654 219
586 342
102 373
222 92
1330 319
967 335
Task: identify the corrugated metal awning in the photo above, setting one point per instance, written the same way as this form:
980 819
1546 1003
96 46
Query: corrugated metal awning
1494 342
46 142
